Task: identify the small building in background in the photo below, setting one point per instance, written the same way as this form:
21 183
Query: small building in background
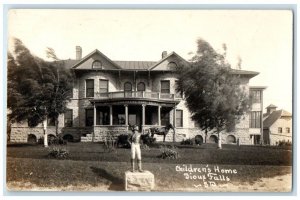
277 126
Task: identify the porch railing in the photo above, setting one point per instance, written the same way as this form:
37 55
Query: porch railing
136 94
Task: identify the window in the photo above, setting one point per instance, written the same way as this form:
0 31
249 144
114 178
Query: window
172 65
89 88
128 89
255 119
255 96
165 87
279 129
68 118
50 121
103 88
165 117
177 94
179 118
97 64
288 130
89 117
141 86
103 116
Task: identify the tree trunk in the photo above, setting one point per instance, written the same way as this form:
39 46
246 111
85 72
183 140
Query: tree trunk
45 133
56 126
205 138
219 140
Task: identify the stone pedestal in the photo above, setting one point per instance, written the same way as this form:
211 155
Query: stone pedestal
139 181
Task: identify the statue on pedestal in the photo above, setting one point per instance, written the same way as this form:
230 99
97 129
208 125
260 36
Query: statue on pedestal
135 141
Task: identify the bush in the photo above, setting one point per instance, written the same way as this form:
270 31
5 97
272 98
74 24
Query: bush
122 141
58 153
284 143
187 142
168 152
53 141
147 139
145 147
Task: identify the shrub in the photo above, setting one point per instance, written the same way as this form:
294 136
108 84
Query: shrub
122 141
187 142
284 143
168 152
58 153
147 139
145 147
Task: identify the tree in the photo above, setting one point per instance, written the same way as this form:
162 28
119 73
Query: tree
37 90
213 93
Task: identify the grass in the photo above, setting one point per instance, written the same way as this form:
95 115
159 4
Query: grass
90 164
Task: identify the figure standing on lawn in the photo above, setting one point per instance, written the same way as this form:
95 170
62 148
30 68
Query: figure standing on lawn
135 141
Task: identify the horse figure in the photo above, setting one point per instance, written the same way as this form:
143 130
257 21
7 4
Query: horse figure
161 131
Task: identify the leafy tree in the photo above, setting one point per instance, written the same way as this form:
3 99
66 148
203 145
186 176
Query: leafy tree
213 93
37 90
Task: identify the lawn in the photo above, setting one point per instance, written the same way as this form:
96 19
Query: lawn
91 166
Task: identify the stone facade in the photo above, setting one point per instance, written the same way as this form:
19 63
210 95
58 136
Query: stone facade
117 77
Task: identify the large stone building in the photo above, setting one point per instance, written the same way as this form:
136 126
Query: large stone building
277 126
109 95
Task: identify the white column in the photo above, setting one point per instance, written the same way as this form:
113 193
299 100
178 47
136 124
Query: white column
110 115
126 115
143 116
45 133
158 115
174 116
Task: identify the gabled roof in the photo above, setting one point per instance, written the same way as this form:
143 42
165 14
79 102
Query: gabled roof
274 116
92 53
271 106
165 58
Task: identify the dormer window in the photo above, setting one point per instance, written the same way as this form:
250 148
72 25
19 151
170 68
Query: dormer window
97 64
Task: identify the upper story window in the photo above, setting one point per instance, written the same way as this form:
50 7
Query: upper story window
165 87
128 89
141 86
97 64
255 119
68 118
288 130
255 96
172 65
89 85
279 129
103 88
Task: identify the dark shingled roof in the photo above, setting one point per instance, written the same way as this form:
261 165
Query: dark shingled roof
275 115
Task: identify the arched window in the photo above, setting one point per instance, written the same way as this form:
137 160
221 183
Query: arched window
230 139
97 64
141 87
172 65
128 89
213 139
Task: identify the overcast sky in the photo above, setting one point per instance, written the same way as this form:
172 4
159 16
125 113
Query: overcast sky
263 39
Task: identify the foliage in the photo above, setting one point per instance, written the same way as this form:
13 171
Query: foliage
284 143
187 142
58 152
122 141
56 140
147 139
212 89
168 152
36 89
145 147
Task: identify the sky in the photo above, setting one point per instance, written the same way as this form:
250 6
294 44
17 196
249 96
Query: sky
261 38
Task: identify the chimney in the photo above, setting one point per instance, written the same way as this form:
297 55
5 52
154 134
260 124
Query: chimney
271 108
164 54
78 53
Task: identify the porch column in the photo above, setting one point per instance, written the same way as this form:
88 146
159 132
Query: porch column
95 111
143 116
126 114
174 116
158 115
110 115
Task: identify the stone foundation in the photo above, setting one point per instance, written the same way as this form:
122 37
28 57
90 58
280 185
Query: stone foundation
139 181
